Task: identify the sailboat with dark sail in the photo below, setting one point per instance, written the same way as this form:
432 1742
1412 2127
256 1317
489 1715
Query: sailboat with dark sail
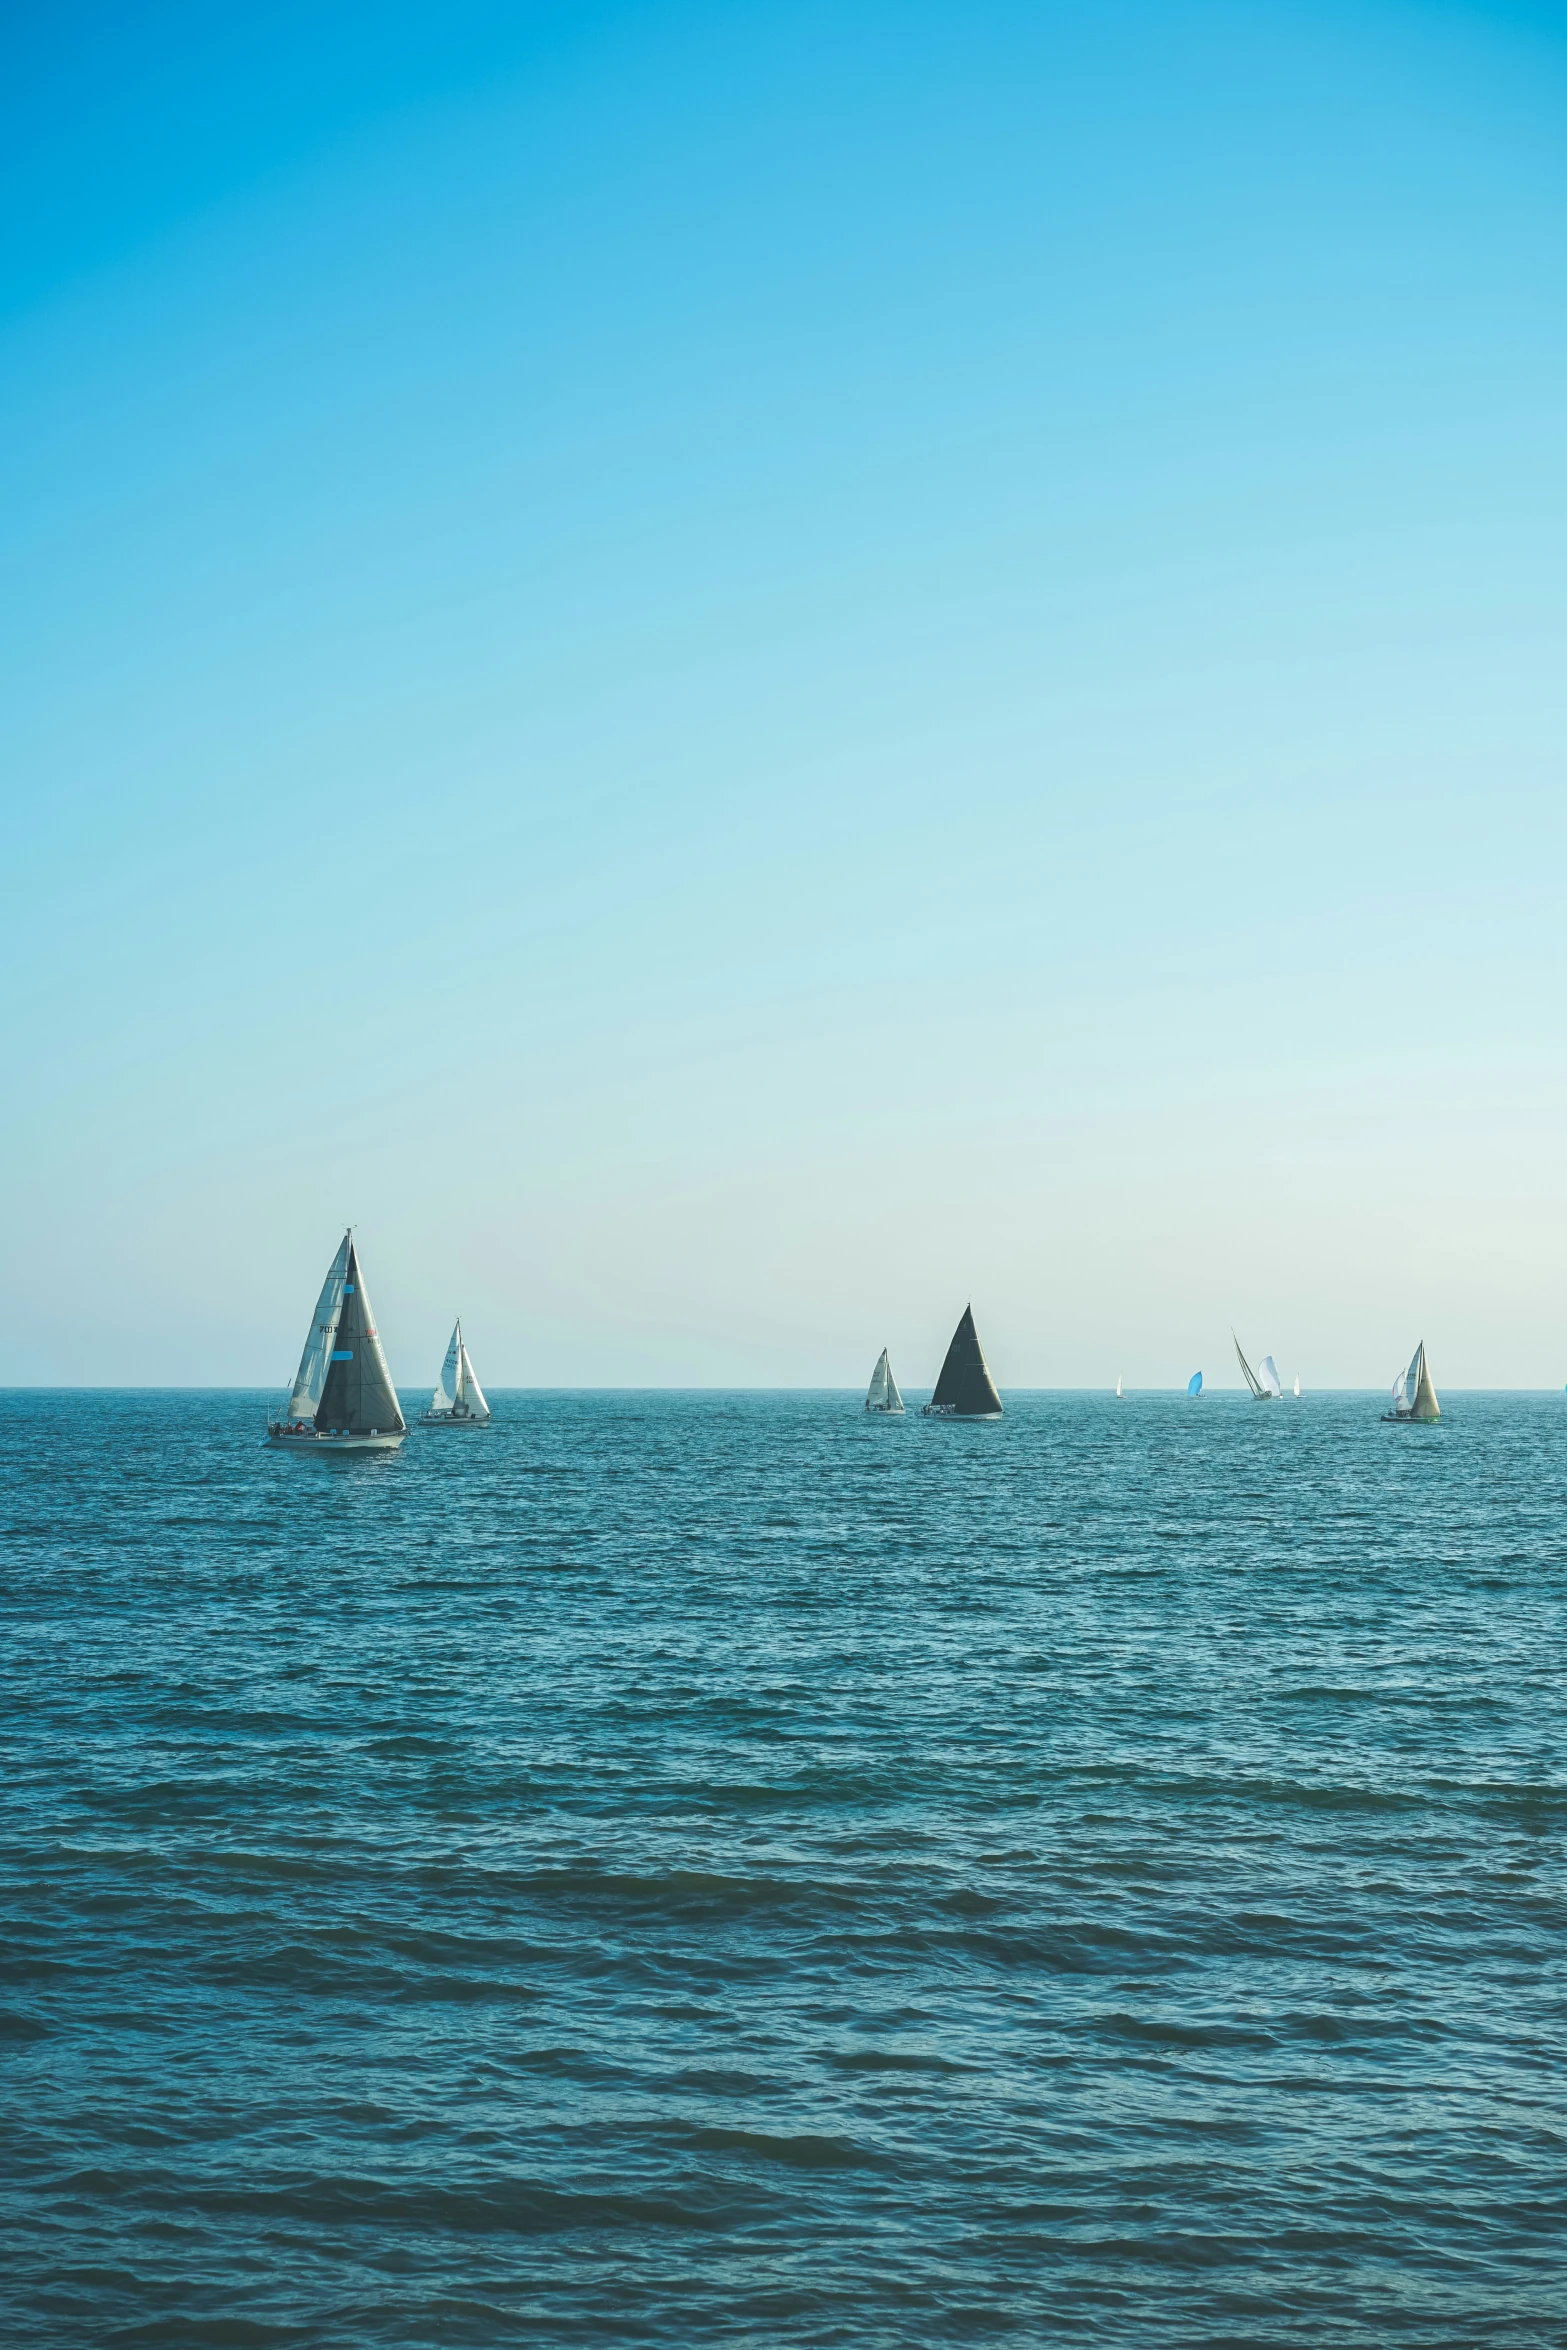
965 1390
458 1401
343 1398
882 1394
1414 1397
1265 1384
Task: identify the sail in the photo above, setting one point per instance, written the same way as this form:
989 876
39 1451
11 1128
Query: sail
358 1398
1268 1373
894 1399
1252 1380
1118 1385
470 1392
322 1338
1411 1380
1297 1383
965 1387
876 1393
446 1386
1194 1384
1423 1405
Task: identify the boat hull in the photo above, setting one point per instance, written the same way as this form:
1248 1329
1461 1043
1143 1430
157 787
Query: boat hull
454 1420
286 1440
886 1411
944 1411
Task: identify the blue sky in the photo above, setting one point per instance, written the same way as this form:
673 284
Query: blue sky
738 674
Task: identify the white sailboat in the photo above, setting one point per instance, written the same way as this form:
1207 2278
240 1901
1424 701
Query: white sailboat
343 1399
882 1394
1118 1387
1297 1386
1414 1397
458 1401
1264 1388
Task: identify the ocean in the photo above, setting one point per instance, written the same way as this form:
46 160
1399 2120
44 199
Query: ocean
721 1869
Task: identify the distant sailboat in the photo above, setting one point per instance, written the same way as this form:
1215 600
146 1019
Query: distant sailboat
965 1390
1297 1384
458 1401
1265 1388
1268 1373
1194 1384
343 1398
1118 1387
882 1394
1414 1397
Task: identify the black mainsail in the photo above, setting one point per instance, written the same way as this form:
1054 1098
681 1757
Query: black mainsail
358 1398
965 1390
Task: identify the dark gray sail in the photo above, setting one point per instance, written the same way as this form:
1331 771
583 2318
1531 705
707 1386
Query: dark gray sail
965 1390
358 1396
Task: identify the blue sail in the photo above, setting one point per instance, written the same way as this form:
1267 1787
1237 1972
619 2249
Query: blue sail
1194 1384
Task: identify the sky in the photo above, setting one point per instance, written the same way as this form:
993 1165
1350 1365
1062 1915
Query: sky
737 674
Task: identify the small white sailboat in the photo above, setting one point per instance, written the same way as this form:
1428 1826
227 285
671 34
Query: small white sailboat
343 1398
1297 1386
458 1401
1414 1397
1118 1387
1264 1382
882 1394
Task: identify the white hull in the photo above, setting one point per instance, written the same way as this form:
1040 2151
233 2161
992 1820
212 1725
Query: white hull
309 1441
454 1420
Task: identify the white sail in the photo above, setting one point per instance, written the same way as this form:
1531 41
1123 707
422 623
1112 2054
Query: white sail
1297 1383
1252 1380
1268 1373
469 1390
446 1386
1118 1385
318 1345
894 1399
881 1380
1411 1381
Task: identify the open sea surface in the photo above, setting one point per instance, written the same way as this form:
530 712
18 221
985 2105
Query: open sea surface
720 1869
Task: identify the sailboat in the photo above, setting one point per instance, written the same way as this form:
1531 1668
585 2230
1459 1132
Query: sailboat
1297 1386
1194 1384
882 1394
343 1398
965 1390
1414 1397
458 1401
1264 1382
1118 1387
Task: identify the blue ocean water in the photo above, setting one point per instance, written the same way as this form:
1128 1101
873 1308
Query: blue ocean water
722 1869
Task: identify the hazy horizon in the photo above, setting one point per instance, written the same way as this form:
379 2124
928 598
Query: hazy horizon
743 676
